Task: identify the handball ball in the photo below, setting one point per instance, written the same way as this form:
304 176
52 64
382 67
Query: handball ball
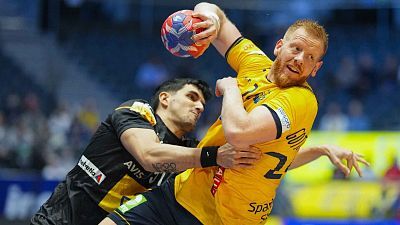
177 32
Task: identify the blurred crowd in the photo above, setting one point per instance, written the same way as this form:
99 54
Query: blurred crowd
50 143
38 133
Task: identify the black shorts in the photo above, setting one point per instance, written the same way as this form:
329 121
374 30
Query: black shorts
57 210
66 206
155 207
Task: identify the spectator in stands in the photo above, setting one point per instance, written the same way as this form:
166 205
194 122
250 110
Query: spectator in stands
4 150
24 143
367 75
78 135
334 119
58 163
357 119
389 74
346 74
391 200
393 173
88 115
59 124
34 118
12 108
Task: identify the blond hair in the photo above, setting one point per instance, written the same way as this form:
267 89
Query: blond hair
311 27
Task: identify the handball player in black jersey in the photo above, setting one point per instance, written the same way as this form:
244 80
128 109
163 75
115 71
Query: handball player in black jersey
136 148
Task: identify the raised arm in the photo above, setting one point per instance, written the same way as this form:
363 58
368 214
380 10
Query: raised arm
219 30
243 128
154 156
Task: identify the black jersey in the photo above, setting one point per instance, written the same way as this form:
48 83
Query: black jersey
106 174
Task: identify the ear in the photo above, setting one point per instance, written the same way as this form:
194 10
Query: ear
316 68
163 97
278 47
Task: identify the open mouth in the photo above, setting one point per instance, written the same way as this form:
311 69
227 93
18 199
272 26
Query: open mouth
293 70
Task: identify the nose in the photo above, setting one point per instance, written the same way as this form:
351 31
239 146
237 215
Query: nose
199 106
299 58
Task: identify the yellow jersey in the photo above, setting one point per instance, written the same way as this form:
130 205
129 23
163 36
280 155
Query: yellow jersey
245 196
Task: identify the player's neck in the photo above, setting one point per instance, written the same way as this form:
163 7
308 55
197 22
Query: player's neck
169 123
270 77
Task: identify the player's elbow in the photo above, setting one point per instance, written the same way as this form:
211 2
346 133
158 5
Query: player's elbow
146 158
235 136
148 161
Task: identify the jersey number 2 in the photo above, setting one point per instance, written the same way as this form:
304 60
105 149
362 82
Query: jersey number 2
271 174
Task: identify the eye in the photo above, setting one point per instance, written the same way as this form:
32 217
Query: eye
192 97
296 49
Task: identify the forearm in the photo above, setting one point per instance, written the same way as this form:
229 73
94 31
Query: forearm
145 147
235 119
306 155
170 158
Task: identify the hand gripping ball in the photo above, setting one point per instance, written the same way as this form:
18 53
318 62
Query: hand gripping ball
177 32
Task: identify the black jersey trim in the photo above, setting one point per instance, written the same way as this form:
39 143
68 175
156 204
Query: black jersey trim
306 87
277 121
311 90
236 42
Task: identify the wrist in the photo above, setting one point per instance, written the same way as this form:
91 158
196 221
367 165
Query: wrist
208 156
324 150
215 19
231 88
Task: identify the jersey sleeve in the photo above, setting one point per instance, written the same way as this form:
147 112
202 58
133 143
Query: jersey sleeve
246 57
294 108
133 114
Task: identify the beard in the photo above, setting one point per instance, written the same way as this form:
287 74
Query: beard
280 78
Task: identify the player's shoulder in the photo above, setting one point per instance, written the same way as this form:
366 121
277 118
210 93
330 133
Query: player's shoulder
138 106
301 93
304 89
135 104
131 102
244 45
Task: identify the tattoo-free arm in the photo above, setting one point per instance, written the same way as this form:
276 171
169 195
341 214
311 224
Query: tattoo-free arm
306 155
215 19
335 154
243 128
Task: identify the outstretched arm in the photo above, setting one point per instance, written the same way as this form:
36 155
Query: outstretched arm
154 156
334 153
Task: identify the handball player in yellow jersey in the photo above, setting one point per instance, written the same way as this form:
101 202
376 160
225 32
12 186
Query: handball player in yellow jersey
269 106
